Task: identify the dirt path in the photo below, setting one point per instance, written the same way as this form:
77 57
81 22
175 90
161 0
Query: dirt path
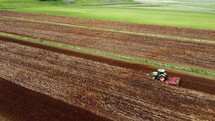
153 29
110 91
165 50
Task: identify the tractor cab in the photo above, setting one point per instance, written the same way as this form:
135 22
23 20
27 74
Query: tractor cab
160 75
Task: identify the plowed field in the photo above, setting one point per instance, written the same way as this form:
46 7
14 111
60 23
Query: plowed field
110 91
176 31
167 50
39 82
21 104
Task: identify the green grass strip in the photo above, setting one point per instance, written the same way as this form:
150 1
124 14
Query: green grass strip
187 69
117 31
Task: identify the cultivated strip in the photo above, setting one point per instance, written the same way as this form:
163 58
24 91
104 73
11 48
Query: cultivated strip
56 75
117 31
187 69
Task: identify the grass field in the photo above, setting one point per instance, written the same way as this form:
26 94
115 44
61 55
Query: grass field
170 13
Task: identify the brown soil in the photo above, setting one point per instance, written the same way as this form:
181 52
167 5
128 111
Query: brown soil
153 29
58 84
21 104
188 81
166 50
114 92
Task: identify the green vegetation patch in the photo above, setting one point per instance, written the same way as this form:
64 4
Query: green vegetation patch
198 14
17 4
187 69
172 17
102 2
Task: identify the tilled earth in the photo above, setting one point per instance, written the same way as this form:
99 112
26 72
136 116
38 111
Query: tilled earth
45 84
153 29
108 91
188 81
166 50
21 104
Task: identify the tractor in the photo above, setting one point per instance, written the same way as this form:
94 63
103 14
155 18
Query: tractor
161 75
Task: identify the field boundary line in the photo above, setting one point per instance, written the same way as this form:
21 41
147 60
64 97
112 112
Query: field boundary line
175 67
116 31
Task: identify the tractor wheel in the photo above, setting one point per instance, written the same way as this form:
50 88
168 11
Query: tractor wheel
161 78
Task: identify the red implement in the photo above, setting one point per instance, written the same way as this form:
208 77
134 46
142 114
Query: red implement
173 81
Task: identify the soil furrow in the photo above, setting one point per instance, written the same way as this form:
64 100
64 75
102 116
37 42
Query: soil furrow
21 104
